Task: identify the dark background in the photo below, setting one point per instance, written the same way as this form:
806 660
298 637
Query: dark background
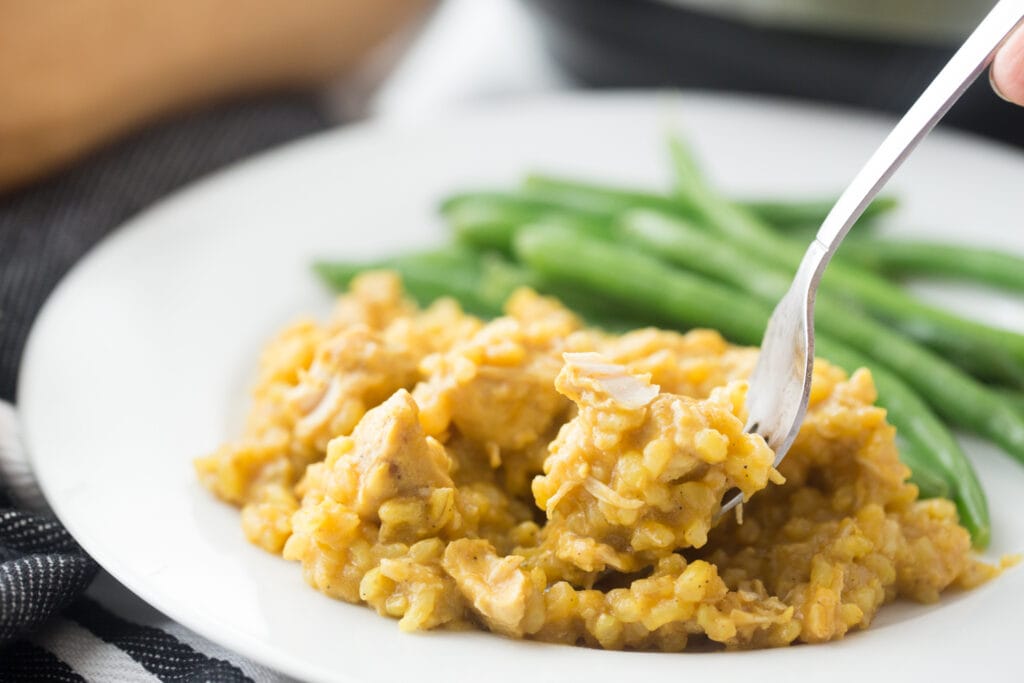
637 43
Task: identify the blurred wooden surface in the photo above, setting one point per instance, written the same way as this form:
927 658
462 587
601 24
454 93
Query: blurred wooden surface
77 73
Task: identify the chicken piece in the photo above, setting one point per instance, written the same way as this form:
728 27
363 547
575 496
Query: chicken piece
387 456
643 471
386 469
495 388
353 371
564 555
508 598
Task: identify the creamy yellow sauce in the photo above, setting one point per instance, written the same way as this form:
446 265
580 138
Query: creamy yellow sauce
543 480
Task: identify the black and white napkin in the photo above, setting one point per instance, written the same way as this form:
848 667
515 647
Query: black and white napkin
61 617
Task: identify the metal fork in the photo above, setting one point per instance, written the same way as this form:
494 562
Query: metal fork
781 382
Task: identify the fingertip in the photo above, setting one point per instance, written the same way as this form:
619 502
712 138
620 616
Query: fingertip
1007 73
992 81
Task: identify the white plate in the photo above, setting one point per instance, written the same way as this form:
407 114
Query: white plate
141 359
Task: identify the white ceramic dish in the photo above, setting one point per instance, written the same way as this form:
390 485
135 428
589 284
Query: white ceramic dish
141 359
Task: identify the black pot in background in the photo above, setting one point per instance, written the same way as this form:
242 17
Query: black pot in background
644 43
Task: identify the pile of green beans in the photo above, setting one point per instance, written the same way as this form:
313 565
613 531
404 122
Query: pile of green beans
625 257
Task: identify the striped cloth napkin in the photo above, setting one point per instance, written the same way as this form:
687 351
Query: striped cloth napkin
61 617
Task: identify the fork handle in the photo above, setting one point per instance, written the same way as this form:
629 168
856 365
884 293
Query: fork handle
962 69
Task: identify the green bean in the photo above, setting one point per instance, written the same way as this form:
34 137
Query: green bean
634 279
594 197
652 287
429 275
499 278
955 395
480 282
929 484
464 263
919 257
809 214
991 353
1014 398
487 220
489 200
